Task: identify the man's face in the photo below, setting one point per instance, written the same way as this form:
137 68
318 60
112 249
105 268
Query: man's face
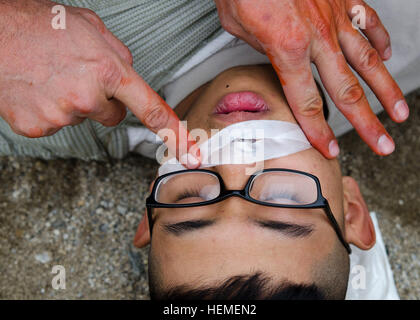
235 236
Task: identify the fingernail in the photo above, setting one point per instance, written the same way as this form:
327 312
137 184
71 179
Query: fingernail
192 161
385 145
401 110
189 160
388 53
333 148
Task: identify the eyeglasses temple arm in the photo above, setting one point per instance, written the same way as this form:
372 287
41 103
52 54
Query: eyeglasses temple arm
149 217
336 227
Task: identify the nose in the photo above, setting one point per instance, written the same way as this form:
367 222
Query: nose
235 176
235 207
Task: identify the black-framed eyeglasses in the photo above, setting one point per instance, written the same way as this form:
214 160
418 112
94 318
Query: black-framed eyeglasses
274 187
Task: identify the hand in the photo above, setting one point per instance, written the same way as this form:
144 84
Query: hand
294 33
54 78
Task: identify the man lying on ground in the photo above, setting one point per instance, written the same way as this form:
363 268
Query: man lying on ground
275 237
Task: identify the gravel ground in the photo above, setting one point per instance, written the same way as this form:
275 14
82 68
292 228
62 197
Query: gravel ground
83 215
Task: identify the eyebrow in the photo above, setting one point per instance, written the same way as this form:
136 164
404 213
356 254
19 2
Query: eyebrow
288 229
179 228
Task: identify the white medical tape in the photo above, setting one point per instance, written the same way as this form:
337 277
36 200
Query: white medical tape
247 142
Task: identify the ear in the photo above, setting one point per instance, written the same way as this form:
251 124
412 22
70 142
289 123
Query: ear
142 237
358 223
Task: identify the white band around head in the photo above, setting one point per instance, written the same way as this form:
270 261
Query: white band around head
247 142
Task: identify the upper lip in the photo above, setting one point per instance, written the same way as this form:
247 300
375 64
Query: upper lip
244 101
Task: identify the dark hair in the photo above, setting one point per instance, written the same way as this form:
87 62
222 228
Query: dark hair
243 287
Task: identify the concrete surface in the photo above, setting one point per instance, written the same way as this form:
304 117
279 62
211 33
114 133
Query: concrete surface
83 215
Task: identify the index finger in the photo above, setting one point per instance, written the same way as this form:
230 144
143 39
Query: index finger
158 116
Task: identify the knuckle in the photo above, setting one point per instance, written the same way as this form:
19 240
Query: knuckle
29 132
86 106
350 93
85 109
293 40
91 16
373 20
58 121
155 117
323 28
369 58
294 44
341 19
312 107
109 73
294 47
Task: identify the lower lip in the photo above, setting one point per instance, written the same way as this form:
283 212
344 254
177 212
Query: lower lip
241 106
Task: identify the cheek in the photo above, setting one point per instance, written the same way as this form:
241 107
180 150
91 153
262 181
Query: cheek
199 128
194 119
328 173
